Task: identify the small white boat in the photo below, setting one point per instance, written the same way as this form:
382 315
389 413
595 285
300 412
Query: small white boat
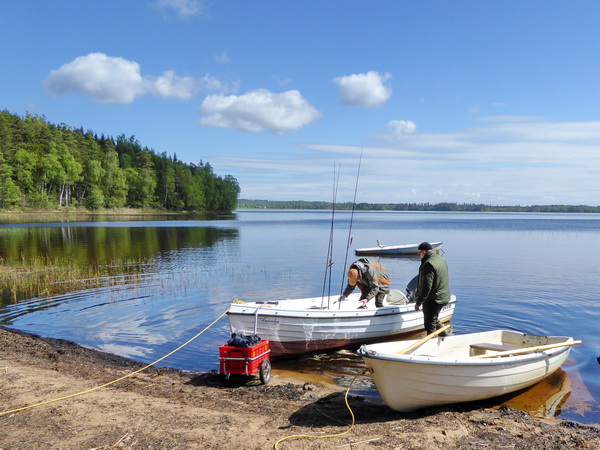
392 250
308 325
461 368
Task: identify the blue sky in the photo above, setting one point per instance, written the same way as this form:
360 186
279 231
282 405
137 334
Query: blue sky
494 102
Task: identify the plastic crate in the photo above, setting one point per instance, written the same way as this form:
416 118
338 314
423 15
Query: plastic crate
242 360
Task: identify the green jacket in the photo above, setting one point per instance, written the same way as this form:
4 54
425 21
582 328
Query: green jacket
434 283
375 279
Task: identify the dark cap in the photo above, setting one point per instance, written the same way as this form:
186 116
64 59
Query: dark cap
425 246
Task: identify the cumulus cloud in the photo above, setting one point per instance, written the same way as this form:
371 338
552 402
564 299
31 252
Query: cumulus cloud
110 79
258 110
183 8
169 85
398 129
107 79
364 90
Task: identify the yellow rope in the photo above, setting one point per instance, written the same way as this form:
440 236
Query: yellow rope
329 435
118 379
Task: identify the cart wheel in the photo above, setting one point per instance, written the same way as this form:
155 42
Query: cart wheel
226 377
265 371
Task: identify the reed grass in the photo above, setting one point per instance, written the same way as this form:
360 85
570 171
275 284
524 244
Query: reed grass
45 277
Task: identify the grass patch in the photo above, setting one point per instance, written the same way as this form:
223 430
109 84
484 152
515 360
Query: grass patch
21 280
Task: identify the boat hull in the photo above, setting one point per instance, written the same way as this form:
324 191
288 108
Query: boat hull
445 370
310 325
393 250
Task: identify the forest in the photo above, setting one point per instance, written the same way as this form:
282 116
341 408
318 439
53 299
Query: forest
48 166
456 207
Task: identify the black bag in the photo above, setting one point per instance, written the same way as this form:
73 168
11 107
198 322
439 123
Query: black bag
243 340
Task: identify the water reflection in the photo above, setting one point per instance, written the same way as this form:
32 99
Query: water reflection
545 399
105 245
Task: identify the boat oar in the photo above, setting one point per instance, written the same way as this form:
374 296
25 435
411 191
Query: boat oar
425 339
520 351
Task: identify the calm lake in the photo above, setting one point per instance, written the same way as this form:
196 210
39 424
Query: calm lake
537 273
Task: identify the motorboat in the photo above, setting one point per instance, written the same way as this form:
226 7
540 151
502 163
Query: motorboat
393 250
308 325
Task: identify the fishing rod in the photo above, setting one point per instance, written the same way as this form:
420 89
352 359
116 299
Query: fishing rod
349 240
329 263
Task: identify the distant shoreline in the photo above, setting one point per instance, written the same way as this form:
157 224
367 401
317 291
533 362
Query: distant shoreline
417 207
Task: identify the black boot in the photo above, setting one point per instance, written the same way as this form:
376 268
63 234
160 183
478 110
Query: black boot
448 332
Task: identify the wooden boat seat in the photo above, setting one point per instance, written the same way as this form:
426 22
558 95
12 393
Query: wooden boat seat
481 348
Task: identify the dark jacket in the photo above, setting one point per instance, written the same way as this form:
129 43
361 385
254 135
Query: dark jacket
374 279
434 284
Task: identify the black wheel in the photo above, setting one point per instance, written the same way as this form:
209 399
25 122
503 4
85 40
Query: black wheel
265 371
226 377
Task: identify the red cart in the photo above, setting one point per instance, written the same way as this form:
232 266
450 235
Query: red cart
245 361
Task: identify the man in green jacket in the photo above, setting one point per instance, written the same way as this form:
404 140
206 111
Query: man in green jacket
433 291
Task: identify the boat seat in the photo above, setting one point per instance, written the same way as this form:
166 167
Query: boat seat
396 297
481 348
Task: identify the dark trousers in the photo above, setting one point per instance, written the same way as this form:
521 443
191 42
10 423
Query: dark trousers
431 311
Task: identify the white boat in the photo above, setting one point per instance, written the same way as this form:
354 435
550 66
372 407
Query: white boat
392 250
308 325
461 368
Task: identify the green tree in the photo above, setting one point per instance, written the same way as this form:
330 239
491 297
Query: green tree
51 174
72 170
114 181
10 194
94 174
232 191
142 185
24 165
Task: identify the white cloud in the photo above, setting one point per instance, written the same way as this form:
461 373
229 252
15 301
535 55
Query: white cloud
105 78
213 84
258 110
398 129
110 79
183 8
169 85
364 90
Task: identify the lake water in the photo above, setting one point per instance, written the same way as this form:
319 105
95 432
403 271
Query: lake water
536 273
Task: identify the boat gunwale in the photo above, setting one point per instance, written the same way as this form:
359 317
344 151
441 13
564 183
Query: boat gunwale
321 314
391 248
467 361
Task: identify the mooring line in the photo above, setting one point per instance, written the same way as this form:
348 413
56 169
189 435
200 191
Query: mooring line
328 435
118 379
